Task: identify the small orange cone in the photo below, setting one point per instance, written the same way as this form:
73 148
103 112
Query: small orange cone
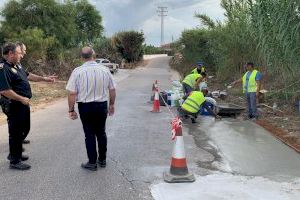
179 172
156 103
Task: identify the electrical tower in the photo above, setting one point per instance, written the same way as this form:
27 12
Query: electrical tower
162 12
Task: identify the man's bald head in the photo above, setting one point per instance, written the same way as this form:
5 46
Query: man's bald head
87 53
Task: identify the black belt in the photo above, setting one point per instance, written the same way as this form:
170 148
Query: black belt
93 102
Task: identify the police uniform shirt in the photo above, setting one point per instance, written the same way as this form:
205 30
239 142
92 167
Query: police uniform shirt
91 82
15 78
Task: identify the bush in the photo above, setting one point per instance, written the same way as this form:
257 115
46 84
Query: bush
105 49
150 49
129 44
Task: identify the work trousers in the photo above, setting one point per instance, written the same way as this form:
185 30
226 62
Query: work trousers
251 101
18 118
93 117
184 113
187 89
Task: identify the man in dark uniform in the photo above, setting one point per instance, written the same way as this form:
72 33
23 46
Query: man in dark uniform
23 49
15 89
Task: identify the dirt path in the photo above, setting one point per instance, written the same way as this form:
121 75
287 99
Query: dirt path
44 94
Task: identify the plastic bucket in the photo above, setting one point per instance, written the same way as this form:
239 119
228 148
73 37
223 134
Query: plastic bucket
204 112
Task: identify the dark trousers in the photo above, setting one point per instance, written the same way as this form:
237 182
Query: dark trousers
187 89
184 113
251 101
18 118
93 117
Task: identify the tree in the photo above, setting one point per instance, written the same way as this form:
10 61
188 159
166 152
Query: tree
37 44
53 18
129 44
105 49
70 23
88 21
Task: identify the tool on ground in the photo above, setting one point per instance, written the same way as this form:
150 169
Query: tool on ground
179 172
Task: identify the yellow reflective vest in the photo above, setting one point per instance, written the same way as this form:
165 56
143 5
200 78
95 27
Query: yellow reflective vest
194 101
195 71
191 79
252 86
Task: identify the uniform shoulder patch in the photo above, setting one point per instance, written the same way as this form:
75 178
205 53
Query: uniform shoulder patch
14 70
1 65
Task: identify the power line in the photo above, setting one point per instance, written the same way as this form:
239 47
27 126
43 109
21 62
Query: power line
162 12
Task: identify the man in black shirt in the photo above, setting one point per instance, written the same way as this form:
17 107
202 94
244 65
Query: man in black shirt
15 88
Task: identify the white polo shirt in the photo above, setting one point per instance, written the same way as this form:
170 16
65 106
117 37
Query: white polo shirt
91 82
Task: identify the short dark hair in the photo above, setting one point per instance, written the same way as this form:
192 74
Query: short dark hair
250 64
9 46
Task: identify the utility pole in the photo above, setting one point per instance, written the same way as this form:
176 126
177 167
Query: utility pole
162 12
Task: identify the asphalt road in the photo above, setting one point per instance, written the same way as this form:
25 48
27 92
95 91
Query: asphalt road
139 147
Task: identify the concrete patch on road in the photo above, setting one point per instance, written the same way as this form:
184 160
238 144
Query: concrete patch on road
223 186
216 161
148 57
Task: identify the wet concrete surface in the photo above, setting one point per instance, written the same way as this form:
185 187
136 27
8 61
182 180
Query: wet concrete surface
243 147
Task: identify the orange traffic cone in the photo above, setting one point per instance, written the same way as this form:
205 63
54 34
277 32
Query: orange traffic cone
179 172
156 103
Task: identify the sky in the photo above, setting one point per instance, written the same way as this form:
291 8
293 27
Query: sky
141 15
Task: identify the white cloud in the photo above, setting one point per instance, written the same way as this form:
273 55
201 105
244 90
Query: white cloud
178 19
120 15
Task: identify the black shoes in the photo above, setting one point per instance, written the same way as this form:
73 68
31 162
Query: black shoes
102 163
89 166
193 120
19 166
26 141
23 158
93 167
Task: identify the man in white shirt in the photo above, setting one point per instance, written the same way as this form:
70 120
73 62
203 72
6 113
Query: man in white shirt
91 86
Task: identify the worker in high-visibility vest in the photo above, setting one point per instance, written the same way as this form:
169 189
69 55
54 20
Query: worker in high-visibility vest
200 69
191 82
192 104
251 82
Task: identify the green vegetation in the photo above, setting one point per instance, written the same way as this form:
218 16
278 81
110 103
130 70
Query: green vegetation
265 32
129 44
150 49
54 34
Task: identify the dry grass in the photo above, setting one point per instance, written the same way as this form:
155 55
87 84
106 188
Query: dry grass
43 95
141 63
